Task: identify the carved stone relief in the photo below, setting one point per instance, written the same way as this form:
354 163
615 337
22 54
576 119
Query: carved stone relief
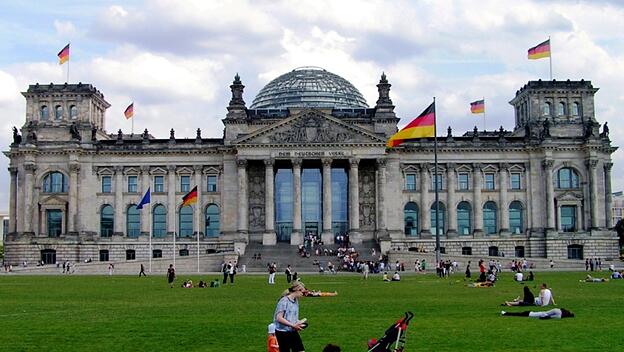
255 186
366 188
312 128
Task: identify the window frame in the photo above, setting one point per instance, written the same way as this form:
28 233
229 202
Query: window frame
185 183
410 186
460 182
133 187
489 184
106 185
518 185
159 187
212 187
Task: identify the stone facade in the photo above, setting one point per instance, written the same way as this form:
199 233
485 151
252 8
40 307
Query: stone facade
543 188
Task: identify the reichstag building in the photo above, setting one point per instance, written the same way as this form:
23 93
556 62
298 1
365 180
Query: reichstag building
309 155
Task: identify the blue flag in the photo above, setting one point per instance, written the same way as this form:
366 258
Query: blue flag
145 200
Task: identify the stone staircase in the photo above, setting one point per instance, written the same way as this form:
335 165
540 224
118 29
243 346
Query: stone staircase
284 254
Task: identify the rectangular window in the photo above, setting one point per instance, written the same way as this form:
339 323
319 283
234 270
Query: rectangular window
463 182
54 219
212 183
106 184
103 255
133 184
159 183
568 218
410 182
130 254
436 181
5 226
489 181
515 181
185 183
466 250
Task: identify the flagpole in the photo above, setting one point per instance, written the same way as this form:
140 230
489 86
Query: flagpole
484 114
150 217
68 60
437 207
197 225
550 56
174 234
132 129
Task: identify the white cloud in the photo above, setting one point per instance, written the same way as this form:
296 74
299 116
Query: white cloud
64 28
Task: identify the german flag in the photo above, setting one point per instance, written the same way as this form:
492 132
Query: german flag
190 198
63 55
129 112
540 51
421 127
477 107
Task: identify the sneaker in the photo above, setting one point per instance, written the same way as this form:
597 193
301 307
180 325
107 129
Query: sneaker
503 312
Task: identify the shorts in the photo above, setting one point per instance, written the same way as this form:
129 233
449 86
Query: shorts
289 341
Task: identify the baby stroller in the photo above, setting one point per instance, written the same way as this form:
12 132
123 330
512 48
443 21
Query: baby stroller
393 339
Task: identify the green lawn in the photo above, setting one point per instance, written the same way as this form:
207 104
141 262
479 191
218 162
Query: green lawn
121 313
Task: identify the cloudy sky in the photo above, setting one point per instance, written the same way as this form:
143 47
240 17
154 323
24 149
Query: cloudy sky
176 59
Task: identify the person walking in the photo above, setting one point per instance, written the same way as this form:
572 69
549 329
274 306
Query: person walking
142 272
171 275
288 274
226 270
232 272
286 319
272 270
468 270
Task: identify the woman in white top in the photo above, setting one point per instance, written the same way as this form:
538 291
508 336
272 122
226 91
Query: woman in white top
545 296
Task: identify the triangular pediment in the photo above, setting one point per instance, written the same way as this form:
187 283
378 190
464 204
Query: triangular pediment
53 200
569 196
311 127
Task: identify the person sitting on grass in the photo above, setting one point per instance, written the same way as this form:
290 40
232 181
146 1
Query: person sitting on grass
396 276
589 278
545 296
202 284
616 275
555 313
215 283
385 276
527 300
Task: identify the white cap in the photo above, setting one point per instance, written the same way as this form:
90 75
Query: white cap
271 328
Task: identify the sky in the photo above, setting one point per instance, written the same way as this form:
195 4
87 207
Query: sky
176 59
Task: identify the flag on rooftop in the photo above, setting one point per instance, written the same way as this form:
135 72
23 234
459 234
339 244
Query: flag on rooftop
540 51
477 107
63 55
129 112
421 127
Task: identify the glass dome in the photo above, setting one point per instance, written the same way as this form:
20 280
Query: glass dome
309 87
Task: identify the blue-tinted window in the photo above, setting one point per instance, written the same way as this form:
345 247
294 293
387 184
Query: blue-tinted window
159 183
464 181
437 222
561 109
186 221
568 218
106 184
567 178
133 184
410 219
54 220
283 204
410 182
515 181
58 112
311 200
515 218
464 218
489 181
73 112
212 221
54 182
44 112
133 221
340 200
212 183
576 108
489 218
185 183
107 217
436 180
159 218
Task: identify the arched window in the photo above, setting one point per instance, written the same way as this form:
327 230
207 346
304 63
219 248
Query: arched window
437 227
546 109
73 112
515 218
489 218
567 178
186 221
464 221
58 112
410 219
54 182
107 217
44 112
561 110
159 221
576 109
212 221
133 221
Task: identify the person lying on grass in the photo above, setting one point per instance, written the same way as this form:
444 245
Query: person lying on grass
589 278
312 293
527 300
556 313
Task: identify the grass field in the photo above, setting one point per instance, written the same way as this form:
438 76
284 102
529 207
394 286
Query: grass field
122 313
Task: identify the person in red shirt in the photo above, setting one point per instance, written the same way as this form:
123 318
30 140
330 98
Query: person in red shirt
272 345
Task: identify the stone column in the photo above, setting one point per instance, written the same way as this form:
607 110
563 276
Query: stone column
381 198
296 237
72 216
199 208
425 207
550 195
477 182
28 196
243 222
13 200
327 236
593 192
608 196
119 211
145 212
503 206
269 237
354 201
451 205
172 221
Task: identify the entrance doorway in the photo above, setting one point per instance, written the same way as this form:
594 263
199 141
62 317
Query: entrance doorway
48 256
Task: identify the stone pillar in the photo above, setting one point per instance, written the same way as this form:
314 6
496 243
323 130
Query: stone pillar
503 206
28 196
381 198
354 201
72 216
145 212
425 207
327 236
477 182
199 208
243 222
450 200
269 237
550 195
13 200
608 196
172 221
593 192
296 237
119 211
